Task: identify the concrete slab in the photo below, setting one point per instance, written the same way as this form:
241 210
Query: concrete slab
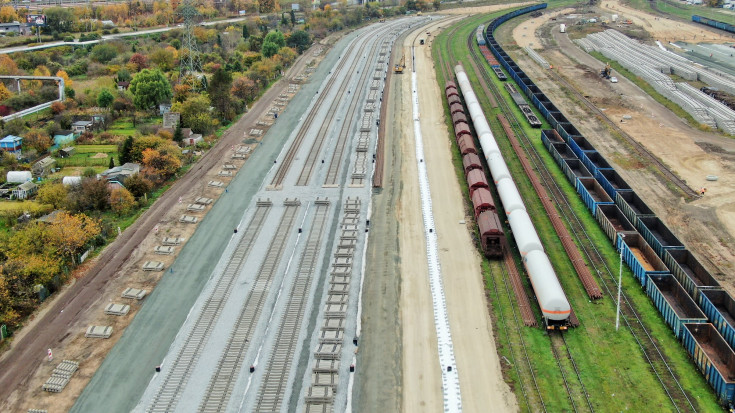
98 332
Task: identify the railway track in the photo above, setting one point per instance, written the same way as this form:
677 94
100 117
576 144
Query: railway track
278 366
220 386
285 166
638 148
565 361
680 401
179 373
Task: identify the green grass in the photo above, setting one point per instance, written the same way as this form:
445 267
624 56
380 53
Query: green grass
596 347
93 149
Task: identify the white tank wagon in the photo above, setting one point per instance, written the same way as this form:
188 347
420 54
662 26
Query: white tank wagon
549 294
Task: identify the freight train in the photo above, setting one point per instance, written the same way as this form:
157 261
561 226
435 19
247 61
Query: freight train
486 215
554 305
714 23
480 35
692 302
520 101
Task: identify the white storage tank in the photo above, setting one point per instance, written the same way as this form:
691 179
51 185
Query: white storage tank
551 298
498 169
614 17
18 177
488 144
71 180
563 28
524 232
509 196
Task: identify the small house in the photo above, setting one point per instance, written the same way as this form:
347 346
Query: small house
44 166
81 126
25 190
164 108
11 143
63 136
66 152
123 86
15 27
118 174
192 140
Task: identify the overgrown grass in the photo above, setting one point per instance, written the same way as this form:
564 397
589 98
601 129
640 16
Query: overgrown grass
95 148
596 347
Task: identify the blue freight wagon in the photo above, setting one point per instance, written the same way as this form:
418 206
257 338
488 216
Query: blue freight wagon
592 193
633 206
579 145
595 162
714 358
658 235
613 221
714 23
720 309
689 272
639 256
673 302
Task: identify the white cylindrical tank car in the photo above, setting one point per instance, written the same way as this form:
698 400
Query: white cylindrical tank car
549 293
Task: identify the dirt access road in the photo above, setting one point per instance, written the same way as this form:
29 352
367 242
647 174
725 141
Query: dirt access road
706 225
62 321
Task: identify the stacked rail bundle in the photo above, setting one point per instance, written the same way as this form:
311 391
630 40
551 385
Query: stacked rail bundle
553 302
655 253
525 108
486 216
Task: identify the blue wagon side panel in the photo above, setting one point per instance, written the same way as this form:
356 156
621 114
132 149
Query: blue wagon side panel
714 358
720 309
673 302
612 182
592 193
595 162
639 256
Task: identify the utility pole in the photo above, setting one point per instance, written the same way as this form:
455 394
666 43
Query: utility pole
620 283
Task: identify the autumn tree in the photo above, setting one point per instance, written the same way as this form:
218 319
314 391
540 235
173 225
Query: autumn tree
69 233
138 185
191 107
150 88
67 80
91 195
121 201
245 89
37 139
165 59
8 14
138 61
268 6
160 165
286 56
4 92
52 194
57 107
8 66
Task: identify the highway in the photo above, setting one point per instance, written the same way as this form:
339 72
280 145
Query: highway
274 327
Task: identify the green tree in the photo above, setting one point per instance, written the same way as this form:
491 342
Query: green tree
138 185
112 162
105 98
284 20
178 134
293 18
277 37
437 4
91 195
103 52
190 108
59 19
219 92
150 88
269 49
123 75
125 151
245 32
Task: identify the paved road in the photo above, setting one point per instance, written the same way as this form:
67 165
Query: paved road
21 361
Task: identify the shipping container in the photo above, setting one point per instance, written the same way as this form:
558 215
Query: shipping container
689 272
592 193
658 235
594 162
720 309
471 161
476 179
632 206
714 358
675 305
639 256
612 182
573 169
613 221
